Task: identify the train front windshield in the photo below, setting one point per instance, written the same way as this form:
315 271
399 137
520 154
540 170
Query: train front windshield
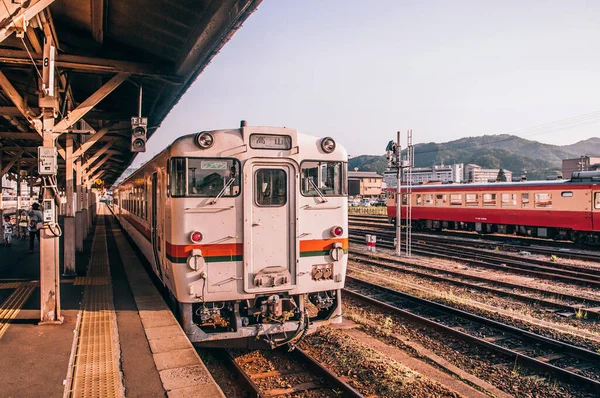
324 178
205 177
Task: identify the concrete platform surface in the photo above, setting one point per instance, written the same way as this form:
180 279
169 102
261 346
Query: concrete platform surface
118 337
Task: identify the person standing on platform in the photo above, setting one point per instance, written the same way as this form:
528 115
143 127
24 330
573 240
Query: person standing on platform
35 217
7 227
23 223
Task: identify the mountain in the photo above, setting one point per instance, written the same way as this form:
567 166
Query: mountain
491 151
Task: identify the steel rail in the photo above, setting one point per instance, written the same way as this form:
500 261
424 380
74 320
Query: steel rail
496 263
364 259
535 363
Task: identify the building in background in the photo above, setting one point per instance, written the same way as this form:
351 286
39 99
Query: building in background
477 174
421 175
582 163
364 183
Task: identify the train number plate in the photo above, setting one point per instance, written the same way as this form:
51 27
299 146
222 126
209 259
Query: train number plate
270 141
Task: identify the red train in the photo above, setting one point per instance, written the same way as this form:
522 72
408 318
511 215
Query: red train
561 210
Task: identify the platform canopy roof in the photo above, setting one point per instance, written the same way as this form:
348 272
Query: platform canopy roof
105 50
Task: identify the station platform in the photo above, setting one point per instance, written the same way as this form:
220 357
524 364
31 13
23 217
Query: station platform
118 338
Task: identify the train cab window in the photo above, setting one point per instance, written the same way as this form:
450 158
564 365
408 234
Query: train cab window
489 199
270 187
205 177
324 178
441 199
566 194
597 200
524 200
543 200
509 199
472 199
456 199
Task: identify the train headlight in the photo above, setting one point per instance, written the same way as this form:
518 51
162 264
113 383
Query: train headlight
196 237
205 140
328 145
337 231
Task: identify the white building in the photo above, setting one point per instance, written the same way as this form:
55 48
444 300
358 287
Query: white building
420 175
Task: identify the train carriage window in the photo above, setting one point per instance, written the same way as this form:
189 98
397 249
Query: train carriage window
597 200
419 200
566 194
456 199
472 199
428 199
524 200
323 178
177 173
509 199
441 199
543 200
404 199
270 187
489 199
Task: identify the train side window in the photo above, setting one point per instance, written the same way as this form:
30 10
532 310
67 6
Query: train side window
456 199
566 194
441 199
524 200
509 199
489 199
543 200
597 200
428 199
472 199
404 199
419 200
270 187
177 170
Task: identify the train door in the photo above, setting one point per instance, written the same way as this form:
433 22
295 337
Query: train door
270 219
596 211
156 219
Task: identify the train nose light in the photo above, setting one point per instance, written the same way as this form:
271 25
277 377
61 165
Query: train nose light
328 145
337 231
196 237
205 140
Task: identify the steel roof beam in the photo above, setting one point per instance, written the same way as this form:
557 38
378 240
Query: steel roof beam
88 144
16 98
95 157
98 20
10 164
93 100
98 165
20 136
91 64
19 16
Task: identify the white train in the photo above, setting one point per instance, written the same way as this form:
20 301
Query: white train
247 228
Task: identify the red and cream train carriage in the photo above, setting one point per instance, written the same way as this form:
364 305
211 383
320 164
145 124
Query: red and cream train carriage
247 228
568 209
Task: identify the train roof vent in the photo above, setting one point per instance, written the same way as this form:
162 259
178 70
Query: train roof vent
585 176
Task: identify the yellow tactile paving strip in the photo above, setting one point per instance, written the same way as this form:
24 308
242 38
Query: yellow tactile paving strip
13 304
96 365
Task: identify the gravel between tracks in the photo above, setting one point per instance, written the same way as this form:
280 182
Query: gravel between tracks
489 366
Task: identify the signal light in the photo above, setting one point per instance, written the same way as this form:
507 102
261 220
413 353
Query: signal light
337 231
196 237
139 128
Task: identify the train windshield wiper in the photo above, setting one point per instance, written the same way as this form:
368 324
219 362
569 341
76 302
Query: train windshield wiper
231 180
318 190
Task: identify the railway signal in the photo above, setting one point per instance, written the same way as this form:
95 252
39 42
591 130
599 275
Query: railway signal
139 128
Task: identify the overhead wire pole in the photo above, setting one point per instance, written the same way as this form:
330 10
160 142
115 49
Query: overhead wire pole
399 196
409 167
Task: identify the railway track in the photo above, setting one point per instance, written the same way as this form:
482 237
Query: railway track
497 261
281 373
554 301
573 364
508 243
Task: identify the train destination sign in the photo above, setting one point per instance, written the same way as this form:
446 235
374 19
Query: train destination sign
269 141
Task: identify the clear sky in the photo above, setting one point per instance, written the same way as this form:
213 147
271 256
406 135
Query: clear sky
361 70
